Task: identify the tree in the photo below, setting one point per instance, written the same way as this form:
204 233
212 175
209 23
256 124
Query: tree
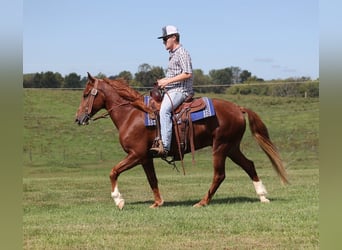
37 80
59 79
28 81
142 75
100 75
84 81
245 74
126 75
254 79
145 67
236 71
200 79
147 75
72 81
51 80
156 73
221 76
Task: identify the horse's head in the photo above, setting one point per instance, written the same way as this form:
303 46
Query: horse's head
92 101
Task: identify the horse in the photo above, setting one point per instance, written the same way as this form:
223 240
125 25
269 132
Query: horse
223 132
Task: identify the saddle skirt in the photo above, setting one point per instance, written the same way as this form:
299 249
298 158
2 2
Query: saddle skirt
199 108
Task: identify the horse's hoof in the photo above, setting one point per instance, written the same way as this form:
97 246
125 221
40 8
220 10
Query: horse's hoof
263 199
154 205
157 204
121 204
198 205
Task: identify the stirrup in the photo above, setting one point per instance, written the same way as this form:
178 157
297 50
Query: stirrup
161 152
159 149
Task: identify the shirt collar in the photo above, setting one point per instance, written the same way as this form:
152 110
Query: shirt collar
173 51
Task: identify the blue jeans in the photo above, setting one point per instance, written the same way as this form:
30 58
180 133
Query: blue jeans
177 99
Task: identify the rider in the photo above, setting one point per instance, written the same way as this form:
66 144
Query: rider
177 85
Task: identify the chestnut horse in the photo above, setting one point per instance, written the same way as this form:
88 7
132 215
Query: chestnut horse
223 132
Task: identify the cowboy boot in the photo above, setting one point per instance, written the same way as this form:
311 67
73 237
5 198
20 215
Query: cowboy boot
159 150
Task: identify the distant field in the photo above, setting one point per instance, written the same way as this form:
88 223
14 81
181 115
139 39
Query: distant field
66 188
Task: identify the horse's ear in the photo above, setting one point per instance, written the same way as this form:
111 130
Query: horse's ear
90 78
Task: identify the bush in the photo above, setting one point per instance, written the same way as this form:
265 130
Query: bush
289 89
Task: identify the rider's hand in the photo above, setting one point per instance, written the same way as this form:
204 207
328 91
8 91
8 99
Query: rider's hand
162 82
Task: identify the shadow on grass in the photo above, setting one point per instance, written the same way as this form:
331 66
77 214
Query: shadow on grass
229 200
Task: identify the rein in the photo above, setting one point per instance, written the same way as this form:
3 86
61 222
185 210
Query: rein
107 113
94 92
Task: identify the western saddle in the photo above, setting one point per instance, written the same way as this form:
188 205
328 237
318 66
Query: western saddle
182 124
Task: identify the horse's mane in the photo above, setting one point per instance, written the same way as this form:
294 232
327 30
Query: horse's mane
126 92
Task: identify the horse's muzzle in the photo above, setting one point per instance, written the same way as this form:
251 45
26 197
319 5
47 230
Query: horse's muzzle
83 119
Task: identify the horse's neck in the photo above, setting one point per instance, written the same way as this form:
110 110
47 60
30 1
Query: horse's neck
119 109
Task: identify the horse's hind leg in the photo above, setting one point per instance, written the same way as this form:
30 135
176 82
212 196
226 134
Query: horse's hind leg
249 168
219 160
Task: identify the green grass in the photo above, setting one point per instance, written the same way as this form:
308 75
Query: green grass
66 187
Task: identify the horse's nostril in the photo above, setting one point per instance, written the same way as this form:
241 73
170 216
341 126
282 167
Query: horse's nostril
82 119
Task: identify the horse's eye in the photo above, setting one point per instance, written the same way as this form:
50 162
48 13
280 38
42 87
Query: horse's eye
85 95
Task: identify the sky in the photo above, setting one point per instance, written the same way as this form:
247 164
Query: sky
271 39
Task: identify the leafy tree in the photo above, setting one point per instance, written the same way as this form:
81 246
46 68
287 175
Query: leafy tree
141 76
245 74
48 80
156 73
145 67
254 79
28 81
100 75
126 75
147 75
37 80
200 79
84 81
221 76
51 80
72 81
60 79
236 71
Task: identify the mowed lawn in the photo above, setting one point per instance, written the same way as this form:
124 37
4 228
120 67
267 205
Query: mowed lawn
66 187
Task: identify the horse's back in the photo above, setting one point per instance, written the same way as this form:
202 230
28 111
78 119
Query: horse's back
229 116
230 110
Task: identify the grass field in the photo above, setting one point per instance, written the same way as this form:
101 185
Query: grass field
66 187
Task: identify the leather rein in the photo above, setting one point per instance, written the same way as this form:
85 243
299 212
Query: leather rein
93 92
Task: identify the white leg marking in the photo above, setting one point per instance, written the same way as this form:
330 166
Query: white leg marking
261 191
117 197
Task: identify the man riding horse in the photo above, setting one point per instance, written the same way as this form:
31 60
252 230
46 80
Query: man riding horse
177 84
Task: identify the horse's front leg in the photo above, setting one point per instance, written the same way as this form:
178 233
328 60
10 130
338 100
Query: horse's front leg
130 161
153 181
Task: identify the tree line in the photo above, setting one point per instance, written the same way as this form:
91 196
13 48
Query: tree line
215 81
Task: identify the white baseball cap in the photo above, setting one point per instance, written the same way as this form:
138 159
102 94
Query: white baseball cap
168 30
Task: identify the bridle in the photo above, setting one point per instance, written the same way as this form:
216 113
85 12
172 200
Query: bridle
89 106
93 93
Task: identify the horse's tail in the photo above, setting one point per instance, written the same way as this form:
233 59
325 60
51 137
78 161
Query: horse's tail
260 133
